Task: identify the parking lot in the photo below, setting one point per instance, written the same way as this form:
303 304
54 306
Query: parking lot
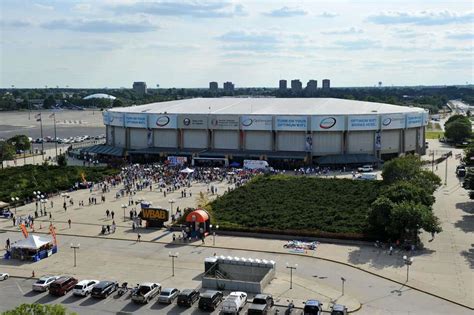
15 289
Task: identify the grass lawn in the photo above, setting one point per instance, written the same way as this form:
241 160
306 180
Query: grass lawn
22 181
434 134
298 205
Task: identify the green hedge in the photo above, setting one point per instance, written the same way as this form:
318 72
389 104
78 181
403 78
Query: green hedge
305 205
22 181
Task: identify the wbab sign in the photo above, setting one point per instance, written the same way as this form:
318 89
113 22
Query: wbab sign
135 120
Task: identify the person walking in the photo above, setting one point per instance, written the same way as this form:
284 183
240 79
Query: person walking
138 237
8 244
391 250
107 212
112 214
69 222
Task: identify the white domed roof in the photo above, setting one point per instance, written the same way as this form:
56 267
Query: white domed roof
100 95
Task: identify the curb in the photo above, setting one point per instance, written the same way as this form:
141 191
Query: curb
278 253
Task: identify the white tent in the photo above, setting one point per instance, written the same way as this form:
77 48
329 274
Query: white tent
32 242
187 170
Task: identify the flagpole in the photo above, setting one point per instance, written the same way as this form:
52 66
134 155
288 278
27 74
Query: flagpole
42 140
55 137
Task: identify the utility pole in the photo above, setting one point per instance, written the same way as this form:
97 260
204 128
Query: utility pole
343 280
55 137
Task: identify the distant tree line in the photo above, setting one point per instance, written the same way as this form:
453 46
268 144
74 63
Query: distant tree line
432 98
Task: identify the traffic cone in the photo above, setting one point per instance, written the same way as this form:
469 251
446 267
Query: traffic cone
33 274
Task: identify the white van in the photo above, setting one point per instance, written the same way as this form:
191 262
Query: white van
255 165
367 176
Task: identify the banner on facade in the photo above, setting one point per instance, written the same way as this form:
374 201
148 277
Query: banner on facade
291 123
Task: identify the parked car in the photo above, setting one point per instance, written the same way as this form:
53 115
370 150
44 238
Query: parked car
42 284
62 285
146 292
261 304
461 170
209 300
234 302
104 288
366 168
312 307
187 297
367 176
168 295
84 287
4 276
338 309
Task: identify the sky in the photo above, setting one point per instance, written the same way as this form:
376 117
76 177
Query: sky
187 44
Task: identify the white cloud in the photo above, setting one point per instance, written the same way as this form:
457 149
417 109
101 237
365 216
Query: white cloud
358 44
328 15
99 26
343 31
197 9
422 18
286 12
43 7
467 35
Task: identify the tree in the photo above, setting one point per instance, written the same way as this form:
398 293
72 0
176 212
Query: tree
407 191
62 160
49 102
458 130
117 103
454 118
38 309
469 155
403 168
20 142
7 152
408 217
380 215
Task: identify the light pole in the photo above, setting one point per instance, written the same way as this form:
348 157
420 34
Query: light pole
288 266
408 261
75 247
173 256
171 202
15 201
214 233
343 280
65 195
124 207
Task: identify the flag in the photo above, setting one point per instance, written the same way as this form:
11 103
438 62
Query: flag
53 233
38 117
23 230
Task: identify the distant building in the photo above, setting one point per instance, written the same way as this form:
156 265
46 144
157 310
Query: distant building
213 86
228 86
296 86
139 88
283 85
326 84
311 87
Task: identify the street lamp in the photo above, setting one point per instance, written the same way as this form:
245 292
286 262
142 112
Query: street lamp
214 233
288 266
171 202
343 280
15 201
173 256
65 195
124 207
75 247
408 261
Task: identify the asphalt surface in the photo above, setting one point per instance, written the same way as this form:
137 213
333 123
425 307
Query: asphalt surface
377 295
13 289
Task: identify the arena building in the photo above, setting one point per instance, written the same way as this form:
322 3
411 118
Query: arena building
319 130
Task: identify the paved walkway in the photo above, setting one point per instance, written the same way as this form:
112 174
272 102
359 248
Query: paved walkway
444 268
